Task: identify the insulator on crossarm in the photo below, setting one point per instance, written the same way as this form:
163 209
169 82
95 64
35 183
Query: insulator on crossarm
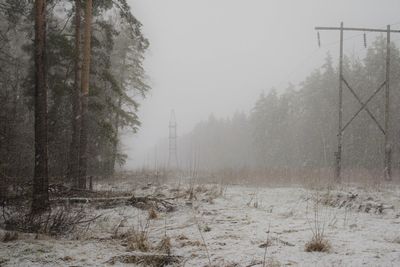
319 40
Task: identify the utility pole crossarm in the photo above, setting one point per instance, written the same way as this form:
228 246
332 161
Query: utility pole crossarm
354 29
385 130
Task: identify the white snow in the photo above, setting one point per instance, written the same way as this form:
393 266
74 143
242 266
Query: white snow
234 226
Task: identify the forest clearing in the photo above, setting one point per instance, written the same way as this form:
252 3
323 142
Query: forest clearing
206 133
221 224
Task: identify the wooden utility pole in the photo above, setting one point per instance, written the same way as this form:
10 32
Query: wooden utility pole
386 129
40 198
339 151
388 147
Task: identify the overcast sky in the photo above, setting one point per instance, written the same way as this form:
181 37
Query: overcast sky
217 56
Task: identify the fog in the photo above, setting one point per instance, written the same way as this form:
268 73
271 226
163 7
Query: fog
218 56
199 133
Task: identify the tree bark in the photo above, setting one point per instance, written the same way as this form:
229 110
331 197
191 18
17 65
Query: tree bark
83 153
40 199
73 168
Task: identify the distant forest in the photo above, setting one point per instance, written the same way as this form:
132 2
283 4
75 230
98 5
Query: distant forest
298 127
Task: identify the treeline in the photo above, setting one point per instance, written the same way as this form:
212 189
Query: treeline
298 127
71 73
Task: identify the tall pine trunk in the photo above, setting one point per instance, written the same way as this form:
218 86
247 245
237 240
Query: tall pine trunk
83 153
73 167
40 199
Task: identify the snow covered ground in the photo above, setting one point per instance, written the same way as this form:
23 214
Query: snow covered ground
361 224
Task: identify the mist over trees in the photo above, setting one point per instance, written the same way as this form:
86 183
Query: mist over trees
297 128
261 187
115 84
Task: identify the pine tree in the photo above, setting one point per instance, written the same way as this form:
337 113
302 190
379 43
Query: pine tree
40 200
83 153
73 168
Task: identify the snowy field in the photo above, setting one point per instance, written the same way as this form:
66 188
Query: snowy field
231 226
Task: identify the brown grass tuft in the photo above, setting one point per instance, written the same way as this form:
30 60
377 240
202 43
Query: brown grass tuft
153 214
318 244
138 241
165 245
147 259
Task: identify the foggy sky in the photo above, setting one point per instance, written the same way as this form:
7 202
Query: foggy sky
217 56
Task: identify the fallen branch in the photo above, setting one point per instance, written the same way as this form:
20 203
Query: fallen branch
87 200
144 203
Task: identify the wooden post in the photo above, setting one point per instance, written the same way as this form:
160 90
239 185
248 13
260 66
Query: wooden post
340 109
388 172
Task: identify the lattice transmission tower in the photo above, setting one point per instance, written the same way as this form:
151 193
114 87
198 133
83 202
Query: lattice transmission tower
173 143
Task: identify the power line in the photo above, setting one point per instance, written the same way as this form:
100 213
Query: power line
316 51
386 85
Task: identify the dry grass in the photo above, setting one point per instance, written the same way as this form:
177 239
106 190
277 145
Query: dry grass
253 200
182 237
318 244
147 259
191 243
143 252
271 262
214 191
300 176
138 239
153 214
267 244
56 222
206 193
165 245
202 238
9 236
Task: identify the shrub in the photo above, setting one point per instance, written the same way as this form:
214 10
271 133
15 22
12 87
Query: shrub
9 236
55 222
